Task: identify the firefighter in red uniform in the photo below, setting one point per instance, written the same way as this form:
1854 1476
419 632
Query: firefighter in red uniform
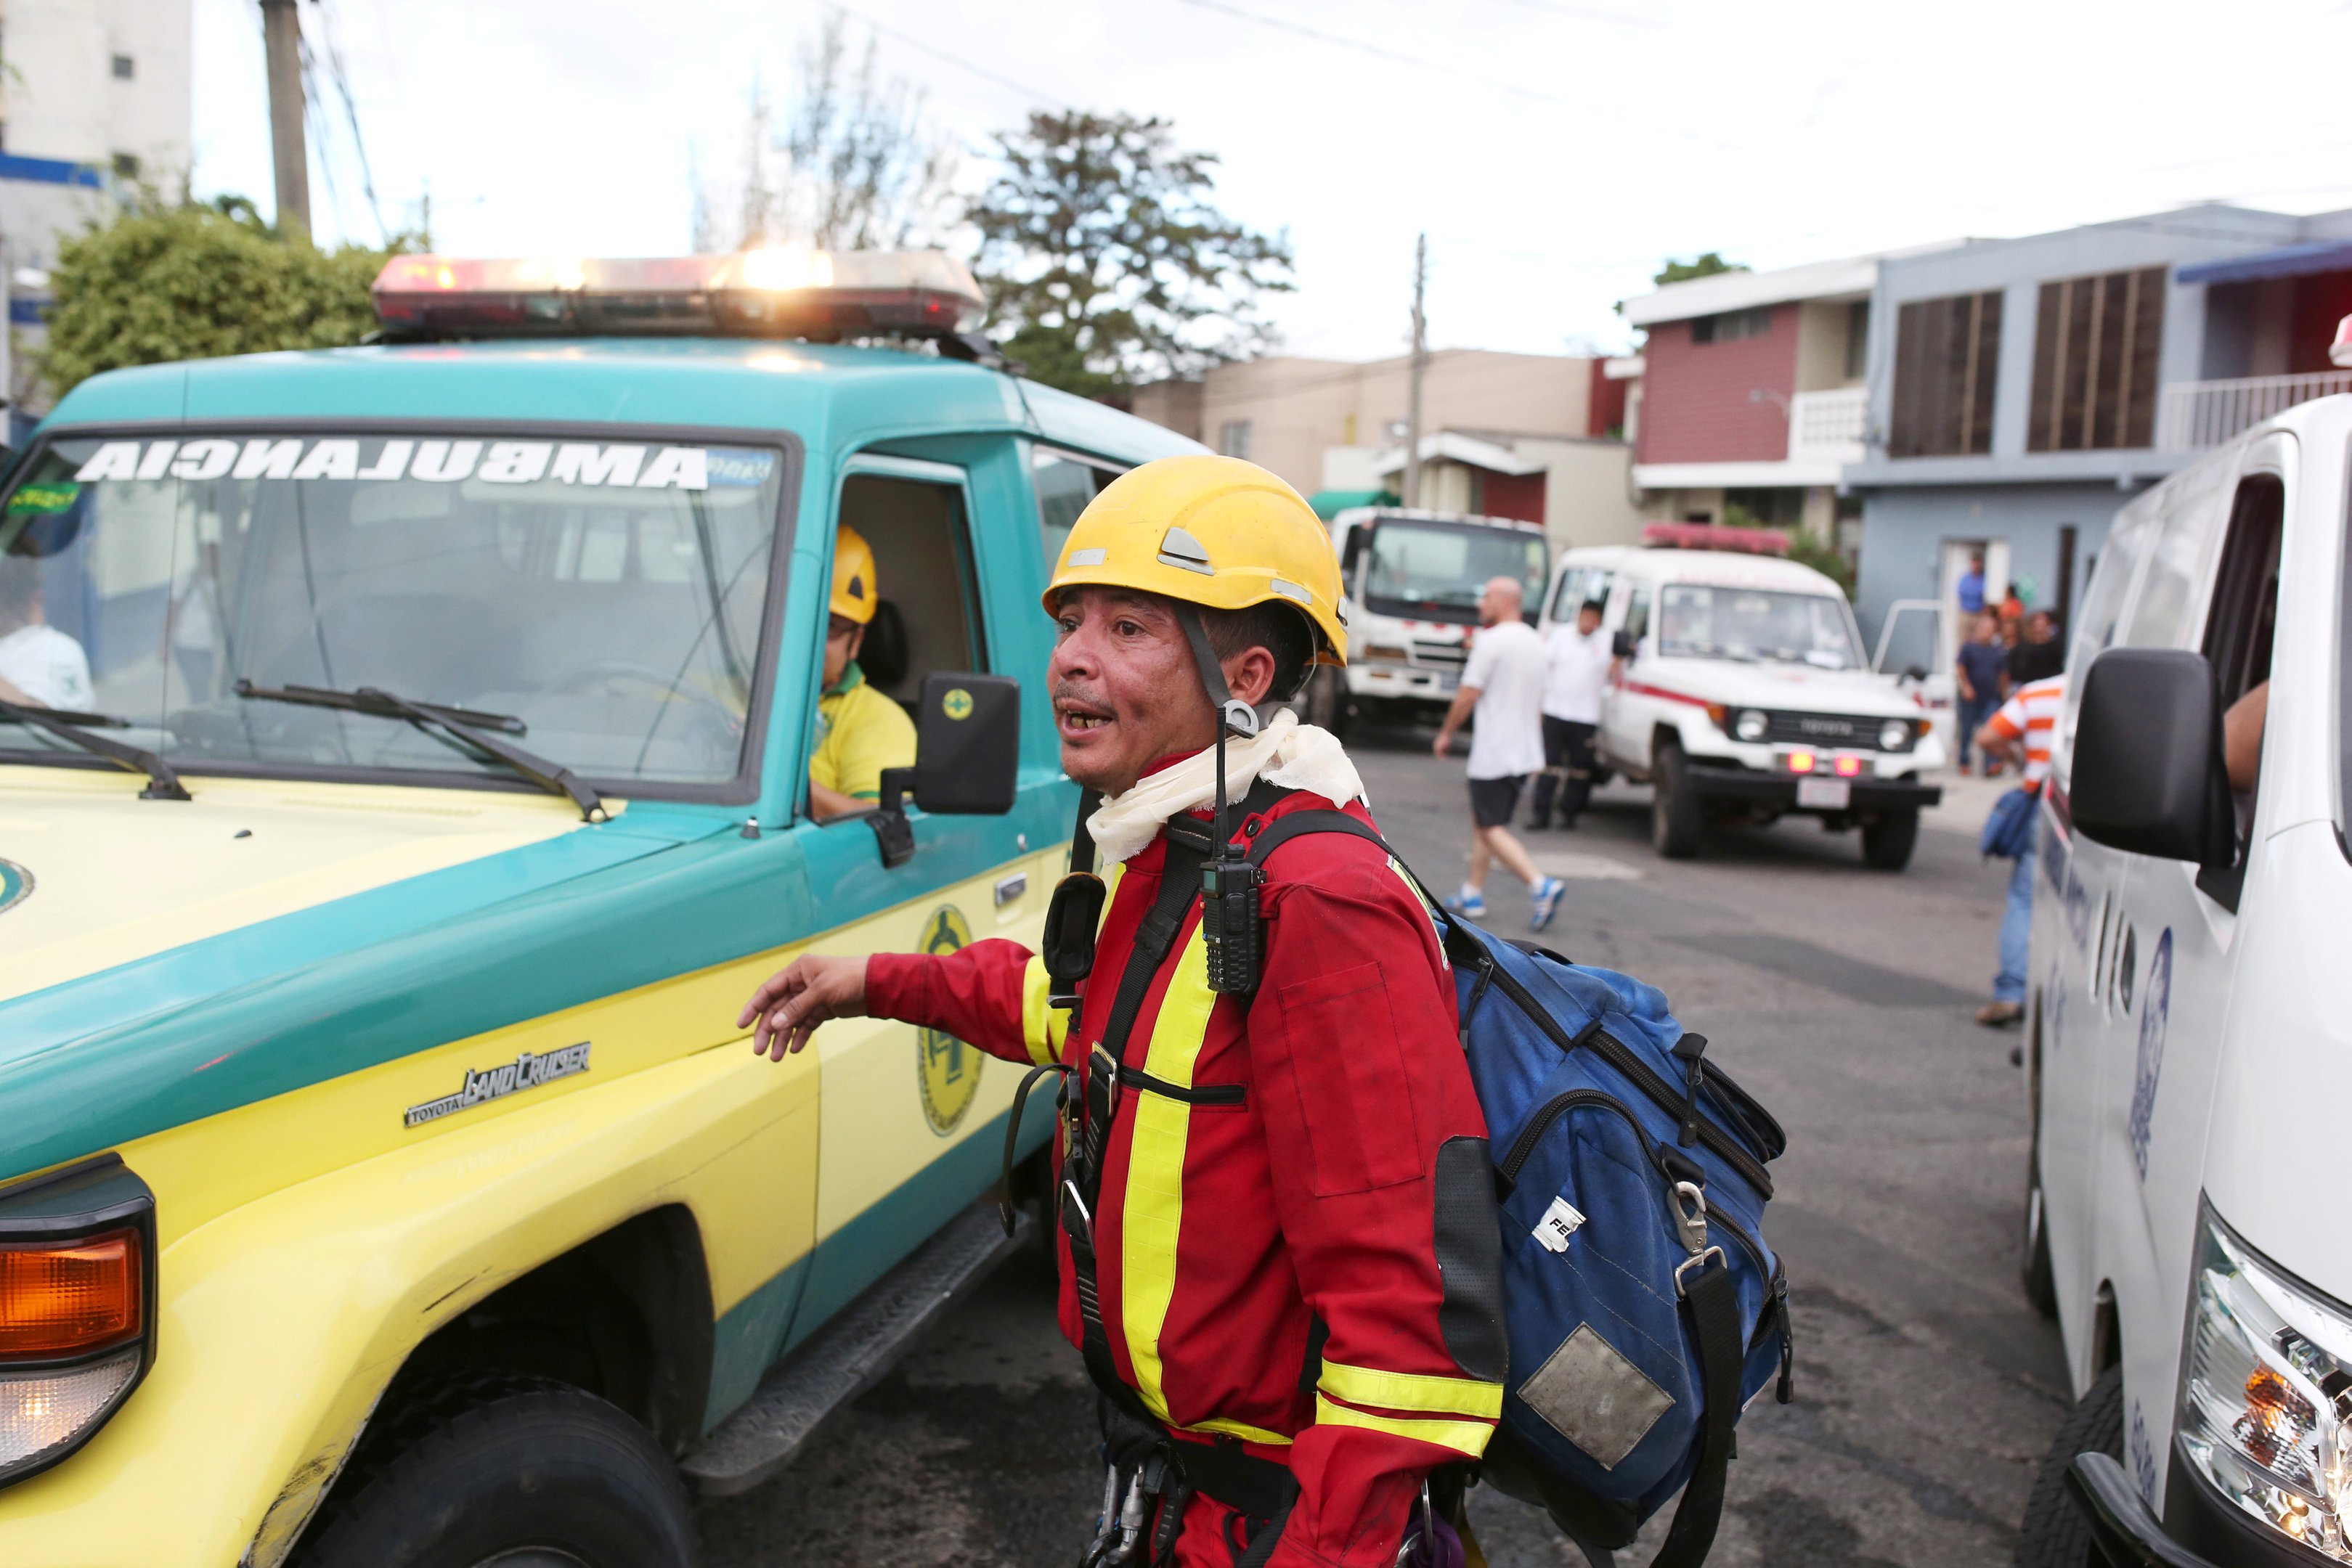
1277 1249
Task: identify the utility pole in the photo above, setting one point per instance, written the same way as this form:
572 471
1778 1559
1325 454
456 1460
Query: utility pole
282 35
1420 362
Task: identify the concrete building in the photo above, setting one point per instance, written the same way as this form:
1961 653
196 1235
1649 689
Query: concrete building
1533 436
95 92
2021 391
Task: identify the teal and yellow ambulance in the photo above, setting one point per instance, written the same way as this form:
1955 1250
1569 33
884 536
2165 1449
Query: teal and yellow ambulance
403 762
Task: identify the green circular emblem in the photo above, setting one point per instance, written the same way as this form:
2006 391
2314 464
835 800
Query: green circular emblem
16 885
947 1071
957 703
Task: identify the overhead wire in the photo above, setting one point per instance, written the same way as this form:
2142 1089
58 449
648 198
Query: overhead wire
1376 51
332 30
958 61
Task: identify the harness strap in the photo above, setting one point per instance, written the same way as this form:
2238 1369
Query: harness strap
1714 1305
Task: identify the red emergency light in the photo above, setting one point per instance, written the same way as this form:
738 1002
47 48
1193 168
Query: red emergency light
1707 536
781 292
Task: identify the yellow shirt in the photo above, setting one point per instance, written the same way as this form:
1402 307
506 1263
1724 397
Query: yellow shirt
859 732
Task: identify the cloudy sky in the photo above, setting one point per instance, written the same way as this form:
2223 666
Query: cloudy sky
1553 151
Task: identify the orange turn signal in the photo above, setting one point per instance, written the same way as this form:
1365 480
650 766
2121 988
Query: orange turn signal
1801 762
69 1298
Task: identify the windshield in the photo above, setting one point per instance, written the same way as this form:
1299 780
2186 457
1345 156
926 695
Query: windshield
1436 571
607 598
1696 621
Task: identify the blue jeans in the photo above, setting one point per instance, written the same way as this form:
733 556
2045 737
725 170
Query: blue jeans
2016 933
1972 716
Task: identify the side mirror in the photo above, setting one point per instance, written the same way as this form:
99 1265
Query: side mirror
1915 672
967 757
1621 643
2147 774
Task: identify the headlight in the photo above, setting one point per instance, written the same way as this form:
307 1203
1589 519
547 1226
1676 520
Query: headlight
1895 735
2265 1406
77 1308
1751 724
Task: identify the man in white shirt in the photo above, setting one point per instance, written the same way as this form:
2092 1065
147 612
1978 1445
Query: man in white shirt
40 666
1503 681
1577 662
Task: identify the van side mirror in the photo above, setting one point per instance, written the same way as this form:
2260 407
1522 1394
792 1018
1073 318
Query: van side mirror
967 757
2147 774
1621 643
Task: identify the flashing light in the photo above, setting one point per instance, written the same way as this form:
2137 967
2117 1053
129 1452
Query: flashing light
1802 761
773 292
2339 352
1847 766
1707 536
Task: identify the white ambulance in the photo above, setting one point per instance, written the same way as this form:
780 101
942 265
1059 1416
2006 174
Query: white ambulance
1740 693
2188 1046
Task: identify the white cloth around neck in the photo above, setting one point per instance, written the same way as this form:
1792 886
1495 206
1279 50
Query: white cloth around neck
1286 752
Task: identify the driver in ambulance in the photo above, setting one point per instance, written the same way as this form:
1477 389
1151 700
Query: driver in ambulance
859 731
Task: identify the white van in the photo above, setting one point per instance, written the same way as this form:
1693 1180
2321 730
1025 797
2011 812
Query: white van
1741 696
2181 1217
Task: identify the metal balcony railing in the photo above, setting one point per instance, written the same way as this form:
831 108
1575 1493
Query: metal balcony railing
1826 426
2192 415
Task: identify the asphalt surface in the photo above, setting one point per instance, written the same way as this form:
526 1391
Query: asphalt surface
1843 999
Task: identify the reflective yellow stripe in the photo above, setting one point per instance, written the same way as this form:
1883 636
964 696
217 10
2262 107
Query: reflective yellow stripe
1466 1437
1153 1209
1412 1391
1043 1026
1237 1430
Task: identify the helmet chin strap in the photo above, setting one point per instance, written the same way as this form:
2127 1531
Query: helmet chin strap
1232 713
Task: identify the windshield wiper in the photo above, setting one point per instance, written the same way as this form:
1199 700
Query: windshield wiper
73 727
466 724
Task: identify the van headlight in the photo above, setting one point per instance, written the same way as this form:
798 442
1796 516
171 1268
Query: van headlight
2265 1405
1751 724
1895 735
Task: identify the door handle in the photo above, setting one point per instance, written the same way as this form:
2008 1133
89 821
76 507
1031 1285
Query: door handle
1009 888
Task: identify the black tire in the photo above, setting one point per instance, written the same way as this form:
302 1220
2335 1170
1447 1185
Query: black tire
2034 1271
1673 805
548 1474
2054 1534
1326 704
1887 844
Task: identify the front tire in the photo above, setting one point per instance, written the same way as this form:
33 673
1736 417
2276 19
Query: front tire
1674 804
2054 1534
1887 844
534 1474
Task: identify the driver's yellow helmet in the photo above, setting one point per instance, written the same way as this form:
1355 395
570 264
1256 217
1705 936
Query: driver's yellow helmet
1214 531
855 592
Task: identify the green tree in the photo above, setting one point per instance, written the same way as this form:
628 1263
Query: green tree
1703 266
184 280
1106 262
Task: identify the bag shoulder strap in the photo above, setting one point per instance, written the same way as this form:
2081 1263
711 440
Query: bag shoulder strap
1714 1306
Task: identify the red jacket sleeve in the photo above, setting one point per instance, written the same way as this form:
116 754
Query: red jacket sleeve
991 993
1353 1034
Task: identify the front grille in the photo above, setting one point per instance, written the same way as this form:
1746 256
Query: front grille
1850 730
1439 653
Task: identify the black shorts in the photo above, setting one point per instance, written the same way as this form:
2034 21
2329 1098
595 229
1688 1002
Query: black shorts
1494 801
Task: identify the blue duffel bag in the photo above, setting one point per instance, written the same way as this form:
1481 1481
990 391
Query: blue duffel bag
1643 1306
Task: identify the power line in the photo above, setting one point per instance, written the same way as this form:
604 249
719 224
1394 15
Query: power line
958 61
1588 14
1361 47
331 32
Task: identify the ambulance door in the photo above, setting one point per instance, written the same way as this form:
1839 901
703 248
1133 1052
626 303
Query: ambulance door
1626 716
912 1118
2210 585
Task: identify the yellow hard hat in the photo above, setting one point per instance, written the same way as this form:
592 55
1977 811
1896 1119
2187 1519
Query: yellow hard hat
1214 531
855 592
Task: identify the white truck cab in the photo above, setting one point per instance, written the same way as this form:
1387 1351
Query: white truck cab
2189 1047
1740 693
1414 578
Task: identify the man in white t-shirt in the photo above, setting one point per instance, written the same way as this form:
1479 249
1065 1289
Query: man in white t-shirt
1577 664
40 666
1504 680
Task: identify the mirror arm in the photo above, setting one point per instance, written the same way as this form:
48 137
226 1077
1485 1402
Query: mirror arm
893 834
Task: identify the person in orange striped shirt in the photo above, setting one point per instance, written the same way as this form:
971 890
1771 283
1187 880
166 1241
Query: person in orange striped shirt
2024 723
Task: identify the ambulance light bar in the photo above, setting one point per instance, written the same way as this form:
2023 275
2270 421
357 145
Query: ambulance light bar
1709 536
771 293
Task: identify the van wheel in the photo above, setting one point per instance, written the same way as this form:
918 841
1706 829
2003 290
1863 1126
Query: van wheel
1674 804
2054 1534
522 1472
1887 844
2034 1270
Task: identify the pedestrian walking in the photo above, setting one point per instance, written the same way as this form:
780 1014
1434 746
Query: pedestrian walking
2020 730
1576 671
1979 672
1503 680
1271 1118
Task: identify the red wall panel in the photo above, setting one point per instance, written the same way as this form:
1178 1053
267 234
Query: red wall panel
1516 495
1695 403
1605 407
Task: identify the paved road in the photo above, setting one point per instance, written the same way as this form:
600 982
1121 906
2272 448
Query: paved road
1840 997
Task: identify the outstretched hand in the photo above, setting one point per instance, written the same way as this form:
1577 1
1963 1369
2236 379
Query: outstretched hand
793 1001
